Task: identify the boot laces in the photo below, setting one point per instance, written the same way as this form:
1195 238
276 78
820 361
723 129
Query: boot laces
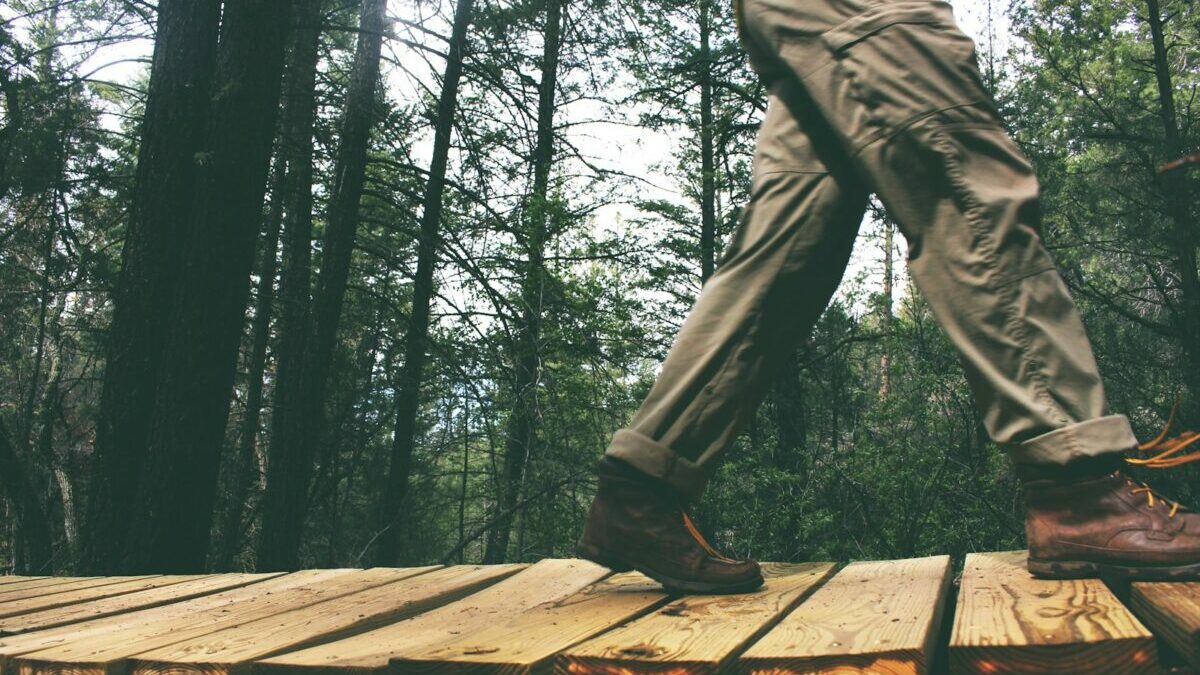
1167 456
695 532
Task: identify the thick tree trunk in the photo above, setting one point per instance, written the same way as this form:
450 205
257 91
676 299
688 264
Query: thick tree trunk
527 362
202 357
708 191
178 490
408 397
290 468
291 199
1177 193
172 129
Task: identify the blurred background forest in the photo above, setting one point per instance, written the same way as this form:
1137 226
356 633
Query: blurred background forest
355 282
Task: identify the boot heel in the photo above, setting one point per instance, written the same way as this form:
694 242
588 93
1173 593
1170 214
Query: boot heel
589 552
1062 569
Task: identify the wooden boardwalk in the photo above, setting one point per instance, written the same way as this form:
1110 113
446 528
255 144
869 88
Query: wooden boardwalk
570 616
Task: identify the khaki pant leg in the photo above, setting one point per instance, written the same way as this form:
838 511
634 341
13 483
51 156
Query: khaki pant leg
899 83
784 263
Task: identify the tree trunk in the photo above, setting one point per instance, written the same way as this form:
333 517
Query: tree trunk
33 531
408 397
290 468
178 491
708 191
172 129
244 471
885 359
291 200
527 362
1177 193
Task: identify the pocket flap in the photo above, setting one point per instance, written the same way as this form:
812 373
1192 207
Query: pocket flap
887 14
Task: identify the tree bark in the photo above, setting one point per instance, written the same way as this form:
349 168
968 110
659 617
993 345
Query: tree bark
885 359
172 526
290 467
244 472
408 397
708 192
291 214
522 424
32 525
172 128
1177 192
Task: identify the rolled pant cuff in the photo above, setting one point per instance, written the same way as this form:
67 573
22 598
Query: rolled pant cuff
659 461
1089 438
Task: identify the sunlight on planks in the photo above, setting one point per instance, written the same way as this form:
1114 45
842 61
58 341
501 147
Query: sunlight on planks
547 581
872 617
102 646
84 611
231 650
528 642
700 634
1009 622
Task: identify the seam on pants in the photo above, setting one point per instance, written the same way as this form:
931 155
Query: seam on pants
973 213
886 135
805 172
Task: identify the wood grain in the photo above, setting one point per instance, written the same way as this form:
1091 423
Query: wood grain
1009 622
35 582
76 596
10 594
13 579
106 651
872 617
1172 611
529 641
85 611
231 650
547 581
205 606
701 633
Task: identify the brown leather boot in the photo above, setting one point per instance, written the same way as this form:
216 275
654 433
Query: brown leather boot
638 523
1090 518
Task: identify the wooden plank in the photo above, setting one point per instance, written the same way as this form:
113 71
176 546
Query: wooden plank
204 606
90 593
549 580
697 634
1172 611
103 644
529 641
872 617
1009 622
231 650
204 585
9 602
13 578
25 589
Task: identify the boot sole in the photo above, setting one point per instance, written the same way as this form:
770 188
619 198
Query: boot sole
669 583
1083 569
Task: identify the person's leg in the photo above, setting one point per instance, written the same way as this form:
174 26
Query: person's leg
899 83
782 267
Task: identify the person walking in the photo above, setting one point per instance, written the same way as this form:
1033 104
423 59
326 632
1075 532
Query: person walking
885 97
